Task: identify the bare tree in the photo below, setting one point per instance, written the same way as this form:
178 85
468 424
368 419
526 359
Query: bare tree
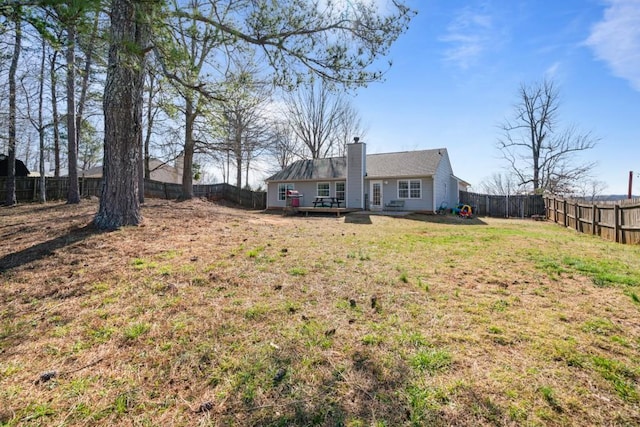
590 189
349 126
72 136
185 58
501 184
242 117
38 121
321 119
283 147
541 154
11 171
55 116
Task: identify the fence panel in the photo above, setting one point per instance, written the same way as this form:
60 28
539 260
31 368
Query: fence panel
617 221
57 189
519 206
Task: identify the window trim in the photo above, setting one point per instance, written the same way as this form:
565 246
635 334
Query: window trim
344 190
283 187
408 189
328 184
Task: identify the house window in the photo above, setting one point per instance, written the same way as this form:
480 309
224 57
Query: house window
282 191
340 186
323 189
415 189
410 189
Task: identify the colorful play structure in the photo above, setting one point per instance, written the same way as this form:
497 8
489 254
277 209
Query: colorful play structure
463 210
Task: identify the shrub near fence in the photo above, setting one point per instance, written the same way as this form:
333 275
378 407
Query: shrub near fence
617 221
519 206
27 190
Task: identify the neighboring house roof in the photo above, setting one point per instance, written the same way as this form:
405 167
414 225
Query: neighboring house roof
384 165
160 171
19 167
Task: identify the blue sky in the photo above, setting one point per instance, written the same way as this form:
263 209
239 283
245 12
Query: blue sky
457 71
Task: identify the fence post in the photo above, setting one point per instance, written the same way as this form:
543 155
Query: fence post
564 209
616 225
577 214
594 210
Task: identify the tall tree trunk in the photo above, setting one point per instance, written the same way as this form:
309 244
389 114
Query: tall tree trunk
140 165
147 137
237 149
119 203
54 113
74 195
84 88
189 148
11 161
42 195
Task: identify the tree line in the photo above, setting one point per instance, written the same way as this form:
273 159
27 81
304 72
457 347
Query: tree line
117 82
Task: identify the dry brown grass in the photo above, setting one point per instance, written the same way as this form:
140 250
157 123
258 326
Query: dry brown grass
209 315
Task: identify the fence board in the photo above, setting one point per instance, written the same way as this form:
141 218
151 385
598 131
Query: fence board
617 221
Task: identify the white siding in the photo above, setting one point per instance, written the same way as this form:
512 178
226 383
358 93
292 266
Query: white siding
445 190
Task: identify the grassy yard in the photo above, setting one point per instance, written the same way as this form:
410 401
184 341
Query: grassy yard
208 315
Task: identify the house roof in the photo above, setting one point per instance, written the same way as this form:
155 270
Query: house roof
404 164
384 165
301 170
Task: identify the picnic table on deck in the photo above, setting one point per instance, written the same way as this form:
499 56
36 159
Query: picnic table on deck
326 202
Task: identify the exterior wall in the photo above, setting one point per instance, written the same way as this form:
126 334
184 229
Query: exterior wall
454 195
445 189
390 192
308 189
356 167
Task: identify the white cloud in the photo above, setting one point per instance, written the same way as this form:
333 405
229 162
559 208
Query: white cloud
469 35
552 71
616 40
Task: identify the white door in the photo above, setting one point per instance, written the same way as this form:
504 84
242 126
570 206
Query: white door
375 203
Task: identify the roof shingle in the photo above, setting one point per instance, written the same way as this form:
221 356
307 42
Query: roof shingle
384 165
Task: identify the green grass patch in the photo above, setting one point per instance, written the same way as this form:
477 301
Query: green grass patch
619 375
142 264
432 361
135 330
600 326
298 271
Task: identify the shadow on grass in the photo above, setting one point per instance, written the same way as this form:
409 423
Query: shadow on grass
44 249
365 218
358 219
445 219
362 389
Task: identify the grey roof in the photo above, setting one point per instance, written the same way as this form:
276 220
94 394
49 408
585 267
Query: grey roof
330 168
384 165
404 164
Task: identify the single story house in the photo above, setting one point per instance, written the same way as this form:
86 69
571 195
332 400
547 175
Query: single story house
414 180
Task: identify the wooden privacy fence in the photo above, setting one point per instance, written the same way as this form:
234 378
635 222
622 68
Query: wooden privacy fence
214 192
27 190
519 206
616 221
